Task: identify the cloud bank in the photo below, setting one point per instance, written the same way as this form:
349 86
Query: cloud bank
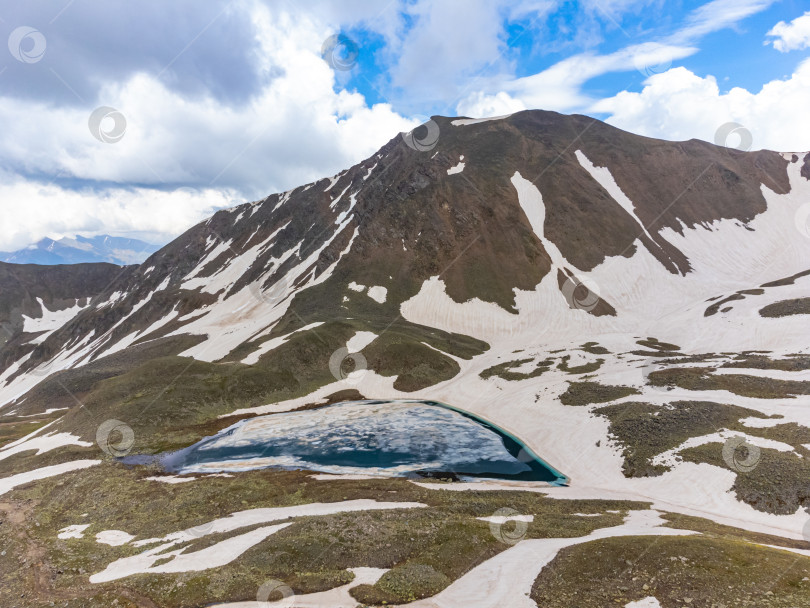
229 101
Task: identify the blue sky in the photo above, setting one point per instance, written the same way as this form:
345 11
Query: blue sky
736 55
211 104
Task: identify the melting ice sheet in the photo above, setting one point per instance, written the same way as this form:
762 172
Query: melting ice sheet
388 438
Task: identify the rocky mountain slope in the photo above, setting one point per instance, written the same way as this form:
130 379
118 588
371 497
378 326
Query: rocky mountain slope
411 213
628 307
35 299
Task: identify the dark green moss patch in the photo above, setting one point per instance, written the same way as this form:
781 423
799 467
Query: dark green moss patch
406 583
785 308
594 348
586 368
426 548
714 308
696 358
16 429
505 370
678 571
790 433
779 483
654 344
646 430
740 295
710 528
416 366
585 393
791 363
788 280
703 379
651 353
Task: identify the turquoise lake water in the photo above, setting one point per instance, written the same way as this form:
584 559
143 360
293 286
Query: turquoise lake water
399 438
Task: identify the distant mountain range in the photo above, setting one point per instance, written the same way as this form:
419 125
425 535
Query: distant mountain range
80 250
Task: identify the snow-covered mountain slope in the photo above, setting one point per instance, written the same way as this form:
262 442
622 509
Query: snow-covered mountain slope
38 299
501 270
658 226
82 250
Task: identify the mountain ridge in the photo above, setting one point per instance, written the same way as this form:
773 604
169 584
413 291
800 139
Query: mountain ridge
582 219
82 250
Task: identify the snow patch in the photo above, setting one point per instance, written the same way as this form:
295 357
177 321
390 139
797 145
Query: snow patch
647 602
605 179
74 531
498 582
231 322
333 180
274 343
460 122
171 479
668 458
458 168
42 444
339 597
502 519
9 483
377 293
114 538
50 321
226 551
360 340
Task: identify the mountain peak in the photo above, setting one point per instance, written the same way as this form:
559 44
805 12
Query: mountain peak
464 209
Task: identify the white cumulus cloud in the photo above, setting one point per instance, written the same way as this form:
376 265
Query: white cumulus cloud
791 36
295 128
680 105
31 211
560 87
